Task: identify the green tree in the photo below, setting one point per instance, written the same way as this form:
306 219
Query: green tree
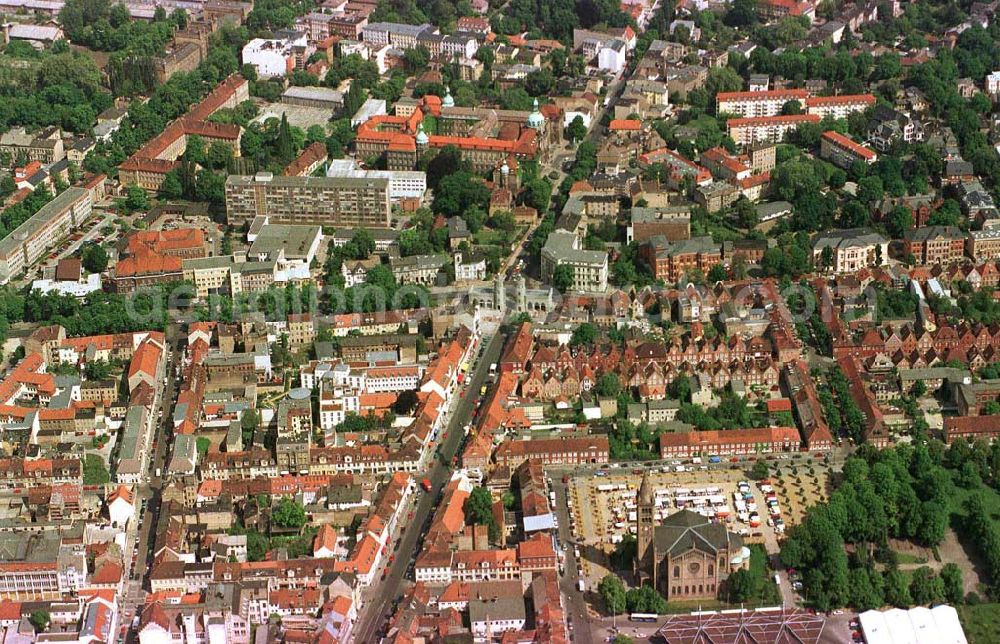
40 619
563 277
897 592
283 146
576 130
680 388
289 514
791 107
612 591
951 579
741 586
171 188
97 370
479 506
584 335
608 385
760 470
257 545
248 425
94 258
717 273
925 586
135 200
479 510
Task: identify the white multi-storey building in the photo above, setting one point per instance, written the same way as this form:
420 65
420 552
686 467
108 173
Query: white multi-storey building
754 104
770 129
838 107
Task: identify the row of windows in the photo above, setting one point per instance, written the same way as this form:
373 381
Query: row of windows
687 590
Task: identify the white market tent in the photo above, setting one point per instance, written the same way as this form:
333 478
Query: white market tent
920 625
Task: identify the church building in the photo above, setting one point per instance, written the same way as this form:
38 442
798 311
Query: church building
688 556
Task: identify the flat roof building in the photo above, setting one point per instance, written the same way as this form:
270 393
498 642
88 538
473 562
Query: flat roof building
326 201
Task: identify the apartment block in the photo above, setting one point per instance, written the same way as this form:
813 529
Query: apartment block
984 244
838 107
843 152
770 129
325 201
27 243
755 104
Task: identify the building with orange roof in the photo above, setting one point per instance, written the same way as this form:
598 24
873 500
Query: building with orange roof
485 137
755 104
148 166
838 107
121 506
146 365
311 158
363 560
842 151
770 129
186 243
625 125
554 451
729 442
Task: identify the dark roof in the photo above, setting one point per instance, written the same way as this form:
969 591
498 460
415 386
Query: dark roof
686 530
933 232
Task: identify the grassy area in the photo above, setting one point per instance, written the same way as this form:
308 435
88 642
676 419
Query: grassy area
488 237
956 500
981 622
907 558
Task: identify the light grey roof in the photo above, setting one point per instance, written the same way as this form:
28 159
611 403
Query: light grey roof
847 238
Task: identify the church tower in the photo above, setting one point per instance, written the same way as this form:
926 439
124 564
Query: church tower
645 526
500 293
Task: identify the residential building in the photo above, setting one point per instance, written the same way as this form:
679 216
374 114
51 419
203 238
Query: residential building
770 129
417 269
935 244
757 104
729 442
403 184
554 451
674 224
29 242
590 268
838 107
326 201
983 245
843 152
670 261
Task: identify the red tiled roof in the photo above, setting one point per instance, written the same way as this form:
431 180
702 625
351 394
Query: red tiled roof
770 95
622 125
842 141
774 120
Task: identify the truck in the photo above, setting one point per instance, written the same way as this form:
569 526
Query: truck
582 585
426 484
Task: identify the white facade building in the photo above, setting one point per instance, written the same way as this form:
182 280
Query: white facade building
611 56
403 184
272 57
